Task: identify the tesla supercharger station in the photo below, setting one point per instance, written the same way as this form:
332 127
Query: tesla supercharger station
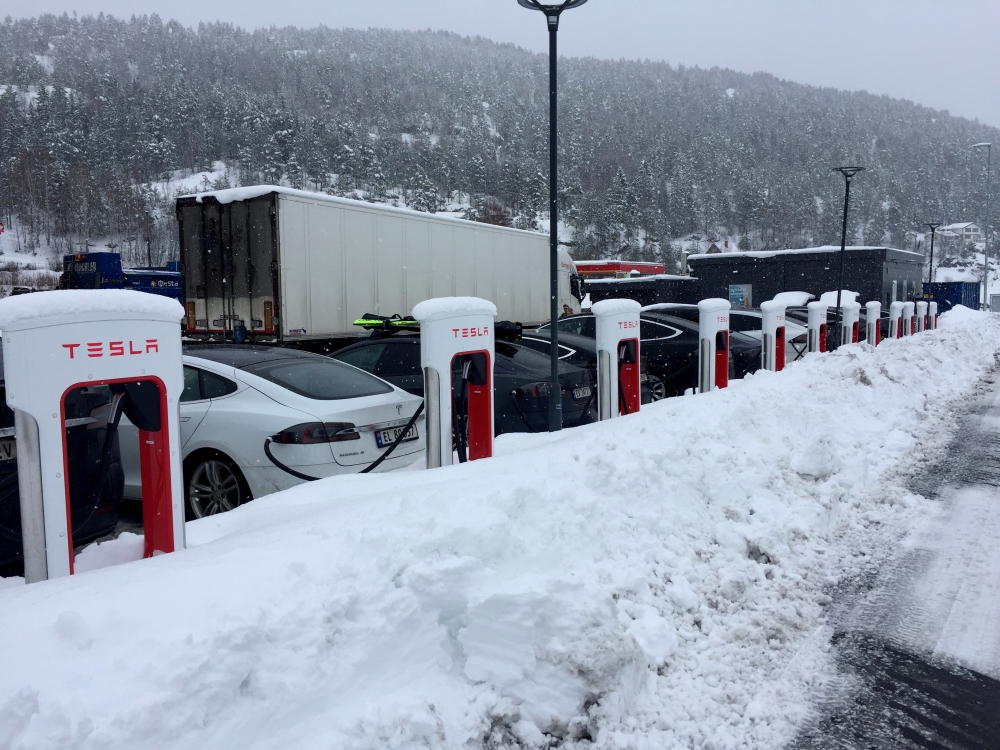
908 318
850 319
456 354
873 320
896 320
921 318
932 315
617 323
817 322
773 334
713 344
56 343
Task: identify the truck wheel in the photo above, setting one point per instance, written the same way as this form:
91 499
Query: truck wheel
214 484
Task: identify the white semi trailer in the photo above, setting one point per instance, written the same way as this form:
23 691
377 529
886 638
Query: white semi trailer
294 265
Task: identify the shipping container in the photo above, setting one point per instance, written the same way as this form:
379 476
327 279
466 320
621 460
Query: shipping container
948 294
294 265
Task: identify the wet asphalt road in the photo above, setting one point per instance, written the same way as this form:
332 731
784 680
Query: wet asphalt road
905 633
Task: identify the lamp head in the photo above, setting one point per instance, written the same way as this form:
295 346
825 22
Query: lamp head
848 172
933 225
551 8
981 145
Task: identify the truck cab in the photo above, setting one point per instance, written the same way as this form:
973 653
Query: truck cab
570 285
104 271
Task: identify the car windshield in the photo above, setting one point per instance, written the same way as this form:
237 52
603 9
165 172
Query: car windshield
323 379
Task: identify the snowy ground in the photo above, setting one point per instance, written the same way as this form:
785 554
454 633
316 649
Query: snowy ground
657 581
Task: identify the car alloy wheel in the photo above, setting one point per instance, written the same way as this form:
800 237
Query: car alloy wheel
657 388
213 488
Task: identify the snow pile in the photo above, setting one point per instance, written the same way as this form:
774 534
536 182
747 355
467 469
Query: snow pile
654 581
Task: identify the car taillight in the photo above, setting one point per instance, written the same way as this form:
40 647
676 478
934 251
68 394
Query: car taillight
310 433
533 390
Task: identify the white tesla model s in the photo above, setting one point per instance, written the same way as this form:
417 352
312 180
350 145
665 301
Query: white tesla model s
322 417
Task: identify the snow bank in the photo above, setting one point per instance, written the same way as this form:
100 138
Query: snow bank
653 581
76 303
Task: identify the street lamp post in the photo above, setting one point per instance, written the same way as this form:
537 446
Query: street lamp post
552 10
930 271
848 173
986 225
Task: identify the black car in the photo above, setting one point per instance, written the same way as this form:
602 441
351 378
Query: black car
669 349
520 380
96 486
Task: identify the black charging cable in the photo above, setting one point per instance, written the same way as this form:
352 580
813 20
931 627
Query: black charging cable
460 420
370 467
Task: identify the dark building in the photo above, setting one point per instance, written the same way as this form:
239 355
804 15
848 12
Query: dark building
646 290
877 274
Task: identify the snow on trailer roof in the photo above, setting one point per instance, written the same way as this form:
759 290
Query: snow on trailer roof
232 195
76 305
801 251
634 279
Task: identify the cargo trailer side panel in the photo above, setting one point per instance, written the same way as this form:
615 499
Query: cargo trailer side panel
326 269
503 269
418 263
361 266
442 261
486 280
464 245
293 243
391 254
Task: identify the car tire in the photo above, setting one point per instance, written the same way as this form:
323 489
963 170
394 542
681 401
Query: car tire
657 388
213 484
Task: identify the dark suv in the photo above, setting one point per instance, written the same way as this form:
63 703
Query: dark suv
520 381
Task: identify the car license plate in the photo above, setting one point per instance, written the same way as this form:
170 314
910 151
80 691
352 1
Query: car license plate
579 393
385 438
8 449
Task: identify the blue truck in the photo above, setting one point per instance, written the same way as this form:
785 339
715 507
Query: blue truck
950 293
104 271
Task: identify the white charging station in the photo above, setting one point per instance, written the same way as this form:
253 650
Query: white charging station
932 313
817 323
773 333
57 342
457 354
850 319
896 320
713 344
873 323
909 318
921 316
617 323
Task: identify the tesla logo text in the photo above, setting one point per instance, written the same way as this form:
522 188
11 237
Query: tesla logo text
114 348
470 333
628 323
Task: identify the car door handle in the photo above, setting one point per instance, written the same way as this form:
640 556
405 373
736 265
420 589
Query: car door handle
185 419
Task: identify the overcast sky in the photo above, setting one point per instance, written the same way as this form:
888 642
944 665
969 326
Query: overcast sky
942 53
